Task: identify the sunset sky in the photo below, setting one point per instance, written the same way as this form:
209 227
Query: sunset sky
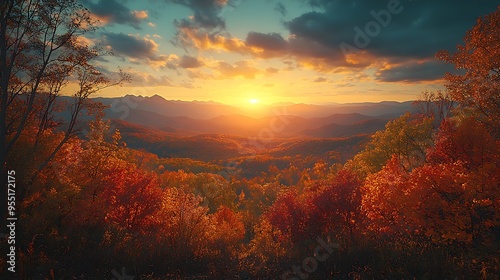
266 51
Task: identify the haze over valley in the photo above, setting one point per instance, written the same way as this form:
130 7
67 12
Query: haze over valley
289 120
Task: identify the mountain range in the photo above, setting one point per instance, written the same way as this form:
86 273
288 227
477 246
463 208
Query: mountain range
188 118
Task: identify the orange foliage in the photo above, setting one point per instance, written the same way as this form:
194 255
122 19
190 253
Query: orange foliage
291 216
456 195
384 197
132 197
337 203
477 90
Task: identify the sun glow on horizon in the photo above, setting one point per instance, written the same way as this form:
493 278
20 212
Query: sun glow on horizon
253 101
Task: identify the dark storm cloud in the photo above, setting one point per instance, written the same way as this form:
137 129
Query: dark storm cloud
112 11
207 13
393 33
270 41
131 46
308 53
419 30
414 72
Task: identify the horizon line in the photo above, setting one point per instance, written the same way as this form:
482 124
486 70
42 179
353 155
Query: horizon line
260 103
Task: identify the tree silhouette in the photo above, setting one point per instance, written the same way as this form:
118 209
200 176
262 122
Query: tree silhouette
40 52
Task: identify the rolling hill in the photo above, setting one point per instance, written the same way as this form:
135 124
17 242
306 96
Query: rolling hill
183 118
334 130
222 147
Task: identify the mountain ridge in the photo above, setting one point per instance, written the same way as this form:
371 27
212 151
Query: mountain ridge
189 118
211 109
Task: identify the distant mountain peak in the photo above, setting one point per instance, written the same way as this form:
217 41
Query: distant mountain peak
156 96
295 112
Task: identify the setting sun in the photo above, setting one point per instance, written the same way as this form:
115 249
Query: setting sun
253 101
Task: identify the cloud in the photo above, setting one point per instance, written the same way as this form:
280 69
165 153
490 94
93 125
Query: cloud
268 45
205 29
239 68
197 73
140 14
139 49
281 9
308 53
131 45
173 61
162 60
190 62
201 40
320 80
84 41
419 30
112 11
406 40
272 70
314 55
207 13
414 72
269 42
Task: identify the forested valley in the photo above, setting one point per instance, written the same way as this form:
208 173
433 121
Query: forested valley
419 199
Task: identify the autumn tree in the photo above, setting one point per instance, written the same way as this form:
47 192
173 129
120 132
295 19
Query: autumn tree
90 196
213 189
385 197
337 204
291 215
454 197
467 141
257 198
436 105
225 236
40 52
477 87
266 251
183 228
406 137
132 197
